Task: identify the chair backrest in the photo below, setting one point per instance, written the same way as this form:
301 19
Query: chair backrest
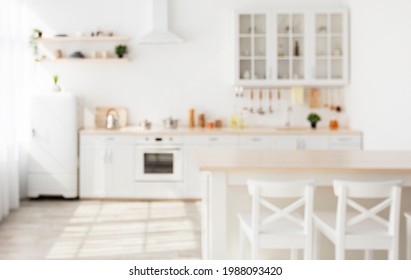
387 191
303 191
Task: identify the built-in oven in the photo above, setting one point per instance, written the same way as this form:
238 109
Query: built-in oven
159 160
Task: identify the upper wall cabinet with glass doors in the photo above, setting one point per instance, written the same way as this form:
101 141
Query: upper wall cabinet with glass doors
291 47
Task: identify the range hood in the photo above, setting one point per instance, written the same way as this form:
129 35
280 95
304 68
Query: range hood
160 34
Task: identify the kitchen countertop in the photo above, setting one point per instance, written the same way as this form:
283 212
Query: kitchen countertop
133 130
235 160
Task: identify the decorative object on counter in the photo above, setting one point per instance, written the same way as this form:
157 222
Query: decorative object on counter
105 54
314 98
191 118
112 121
234 122
35 36
170 123
145 124
210 125
296 49
297 95
218 123
201 120
95 54
121 50
56 87
101 113
334 123
242 118
313 118
58 54
77 54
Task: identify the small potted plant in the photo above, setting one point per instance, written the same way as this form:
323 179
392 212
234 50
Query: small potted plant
313 118
35 35
121 50
56 87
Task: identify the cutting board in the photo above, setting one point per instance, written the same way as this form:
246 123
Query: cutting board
314 98
100 116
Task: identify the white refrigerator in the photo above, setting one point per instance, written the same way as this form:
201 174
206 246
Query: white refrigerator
53 156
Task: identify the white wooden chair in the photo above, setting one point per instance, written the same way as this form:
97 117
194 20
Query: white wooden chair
408 222
278 228
363 228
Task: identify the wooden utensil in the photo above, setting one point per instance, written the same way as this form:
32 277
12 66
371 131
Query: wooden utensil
251 99
260 110
325 98
270 96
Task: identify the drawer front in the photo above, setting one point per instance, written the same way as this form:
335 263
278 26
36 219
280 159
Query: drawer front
345 140
118 139
255 140
211 140
159 139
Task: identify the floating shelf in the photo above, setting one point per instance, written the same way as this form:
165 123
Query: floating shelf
83 39
85 60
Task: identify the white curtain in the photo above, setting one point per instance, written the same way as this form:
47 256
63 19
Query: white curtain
13 76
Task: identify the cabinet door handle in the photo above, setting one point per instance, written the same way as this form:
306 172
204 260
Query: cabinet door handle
33 133
256 139
213 139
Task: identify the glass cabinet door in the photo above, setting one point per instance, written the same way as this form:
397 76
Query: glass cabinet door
329 46
252 46
290 47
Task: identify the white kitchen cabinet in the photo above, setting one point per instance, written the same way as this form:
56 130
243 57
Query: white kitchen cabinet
106 166
287 47
211 140
255 142
317 142
252 46
345 142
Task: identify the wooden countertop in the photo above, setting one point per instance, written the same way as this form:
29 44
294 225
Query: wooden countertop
236 160
132 130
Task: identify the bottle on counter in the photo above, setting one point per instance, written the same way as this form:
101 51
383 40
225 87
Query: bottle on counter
334 123
234 121
201 120
242 119
191 118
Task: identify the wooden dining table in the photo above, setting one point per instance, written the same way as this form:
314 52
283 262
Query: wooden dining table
225 172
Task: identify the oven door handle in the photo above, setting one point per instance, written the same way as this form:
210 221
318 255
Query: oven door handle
155 150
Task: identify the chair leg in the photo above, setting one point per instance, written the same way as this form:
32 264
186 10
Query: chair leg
368 255
294 254
317 245
242 241
393 252
339 252
254 250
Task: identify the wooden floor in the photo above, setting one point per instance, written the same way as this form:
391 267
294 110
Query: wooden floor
61 229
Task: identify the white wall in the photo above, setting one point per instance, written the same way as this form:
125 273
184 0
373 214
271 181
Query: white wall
160 80
379 97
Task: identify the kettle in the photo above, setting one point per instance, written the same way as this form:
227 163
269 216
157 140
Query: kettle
112 119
